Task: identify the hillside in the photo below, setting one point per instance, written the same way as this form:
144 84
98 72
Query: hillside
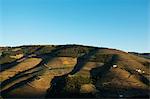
145 55
44 71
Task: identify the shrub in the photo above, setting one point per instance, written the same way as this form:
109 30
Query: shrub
45 49
74 51
74 83
6 59
101 58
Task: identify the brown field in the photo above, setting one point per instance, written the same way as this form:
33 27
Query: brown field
73 69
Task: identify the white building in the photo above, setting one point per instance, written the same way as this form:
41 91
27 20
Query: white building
115 66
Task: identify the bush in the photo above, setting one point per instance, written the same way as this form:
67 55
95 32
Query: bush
45 50
101 58
74 83
6 59
74 51
29 50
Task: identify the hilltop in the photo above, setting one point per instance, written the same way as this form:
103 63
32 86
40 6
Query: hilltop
45 71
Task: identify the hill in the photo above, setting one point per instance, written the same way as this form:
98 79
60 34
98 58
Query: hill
145 55
45 71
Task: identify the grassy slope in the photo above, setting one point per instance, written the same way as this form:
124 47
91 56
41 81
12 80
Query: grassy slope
97 69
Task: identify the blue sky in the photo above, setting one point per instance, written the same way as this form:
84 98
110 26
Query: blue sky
120 24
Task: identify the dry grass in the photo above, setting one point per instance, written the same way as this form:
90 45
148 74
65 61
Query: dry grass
15 82
25 91
62 61
89 65
17 56
42 83
25 65
88 88
119 78
16 49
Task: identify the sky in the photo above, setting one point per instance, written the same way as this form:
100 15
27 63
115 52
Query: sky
119 24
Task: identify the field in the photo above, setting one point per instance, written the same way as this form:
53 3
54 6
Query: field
45 71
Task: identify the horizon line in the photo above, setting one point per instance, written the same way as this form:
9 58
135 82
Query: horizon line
19 45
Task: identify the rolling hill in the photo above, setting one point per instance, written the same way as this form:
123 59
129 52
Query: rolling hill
49 71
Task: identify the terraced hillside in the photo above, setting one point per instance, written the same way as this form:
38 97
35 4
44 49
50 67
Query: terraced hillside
72 71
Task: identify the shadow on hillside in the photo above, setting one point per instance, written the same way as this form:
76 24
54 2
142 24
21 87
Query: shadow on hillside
113 92
14 63
57 85
48 56
57 89
139 76
143 79
44 61
17 76
5 94
58 82
99 72
81 61
123 93
45 58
